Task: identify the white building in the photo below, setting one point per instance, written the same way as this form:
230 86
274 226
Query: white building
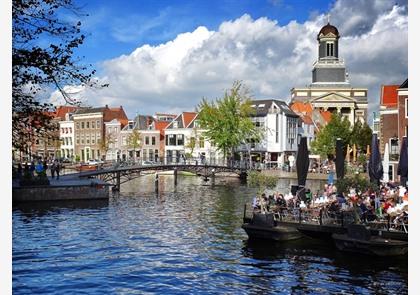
67 137
185 141
112 135
279 126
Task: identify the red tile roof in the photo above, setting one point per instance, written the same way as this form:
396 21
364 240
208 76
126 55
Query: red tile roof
187 117
161 125
389 95
326 115
61 111
307 120
115 113
301 108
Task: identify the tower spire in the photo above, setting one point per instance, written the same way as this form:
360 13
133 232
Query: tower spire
328 18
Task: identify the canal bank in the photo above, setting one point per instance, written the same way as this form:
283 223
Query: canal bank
66 188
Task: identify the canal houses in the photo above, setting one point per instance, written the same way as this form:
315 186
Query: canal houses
90 130
279 127
185 140
393 122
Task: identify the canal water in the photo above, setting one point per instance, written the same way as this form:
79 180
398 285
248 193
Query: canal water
183 240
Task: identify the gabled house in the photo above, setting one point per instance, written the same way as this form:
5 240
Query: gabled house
279 126
185 141
90 130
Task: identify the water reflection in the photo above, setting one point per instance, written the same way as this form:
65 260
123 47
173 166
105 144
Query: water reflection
184 239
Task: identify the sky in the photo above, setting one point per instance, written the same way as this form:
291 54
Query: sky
166 56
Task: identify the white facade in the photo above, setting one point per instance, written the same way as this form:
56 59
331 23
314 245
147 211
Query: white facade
67 138
112 134
279 127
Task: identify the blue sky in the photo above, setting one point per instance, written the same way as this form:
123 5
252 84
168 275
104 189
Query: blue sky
165 56
118 27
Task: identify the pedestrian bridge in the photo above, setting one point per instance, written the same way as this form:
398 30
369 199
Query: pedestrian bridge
120 175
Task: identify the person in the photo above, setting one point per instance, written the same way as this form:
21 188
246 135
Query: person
57 168
19 171
32 168
52 168
45 166
39 168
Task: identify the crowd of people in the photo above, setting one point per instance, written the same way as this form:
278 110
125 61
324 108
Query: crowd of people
38 167
390 203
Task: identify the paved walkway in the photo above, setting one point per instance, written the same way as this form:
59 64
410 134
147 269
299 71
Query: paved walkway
67 180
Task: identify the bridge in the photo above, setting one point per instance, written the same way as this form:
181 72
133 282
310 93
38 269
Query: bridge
119 175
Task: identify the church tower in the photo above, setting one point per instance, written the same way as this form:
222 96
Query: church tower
328 68
330 91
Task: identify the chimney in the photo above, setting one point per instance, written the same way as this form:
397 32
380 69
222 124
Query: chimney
121 108
106 106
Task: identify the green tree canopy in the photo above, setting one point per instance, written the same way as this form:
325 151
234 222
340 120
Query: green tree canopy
325 140
228 120
361 135
43 48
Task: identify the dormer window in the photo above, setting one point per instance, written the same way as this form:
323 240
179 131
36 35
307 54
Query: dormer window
175 124
261 105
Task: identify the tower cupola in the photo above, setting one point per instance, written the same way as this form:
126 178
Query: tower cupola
328 42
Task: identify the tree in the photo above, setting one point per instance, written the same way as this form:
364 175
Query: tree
191 143
37 66
324 143
105 142
361 135
227 121
134 140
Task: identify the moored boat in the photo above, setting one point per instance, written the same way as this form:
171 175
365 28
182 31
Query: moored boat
358 239
264 226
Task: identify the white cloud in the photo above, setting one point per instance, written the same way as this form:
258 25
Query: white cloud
269 58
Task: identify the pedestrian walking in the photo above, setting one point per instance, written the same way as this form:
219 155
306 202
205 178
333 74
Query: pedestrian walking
52 168
57 168
32 168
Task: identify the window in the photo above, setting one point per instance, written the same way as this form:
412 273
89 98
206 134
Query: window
77 140
151 155
83 125
197 123
330 49
124 140
93 125
115 129
93 139
175 124
201 142
87 125
87 139
277 128
393 143
77 125
97 124
153 140
70 130
170 139
146 139
98 153
180 139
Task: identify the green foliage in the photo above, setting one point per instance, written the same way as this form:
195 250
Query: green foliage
261 181
77 158
325 141
45 36
361 135
227 121
354 181
106 141
134 140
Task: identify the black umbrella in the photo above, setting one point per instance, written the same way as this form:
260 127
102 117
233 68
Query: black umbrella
302 162
403 163
339 159
375 163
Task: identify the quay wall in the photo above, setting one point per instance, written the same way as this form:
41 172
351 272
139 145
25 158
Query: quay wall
56 193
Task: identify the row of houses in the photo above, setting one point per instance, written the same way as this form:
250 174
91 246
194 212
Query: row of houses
105 133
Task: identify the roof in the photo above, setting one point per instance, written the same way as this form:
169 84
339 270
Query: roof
307 119
404 84
161 125
325 30
389 95
187 118
326 115
143 122
61 111
262 107
303 108
108 113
